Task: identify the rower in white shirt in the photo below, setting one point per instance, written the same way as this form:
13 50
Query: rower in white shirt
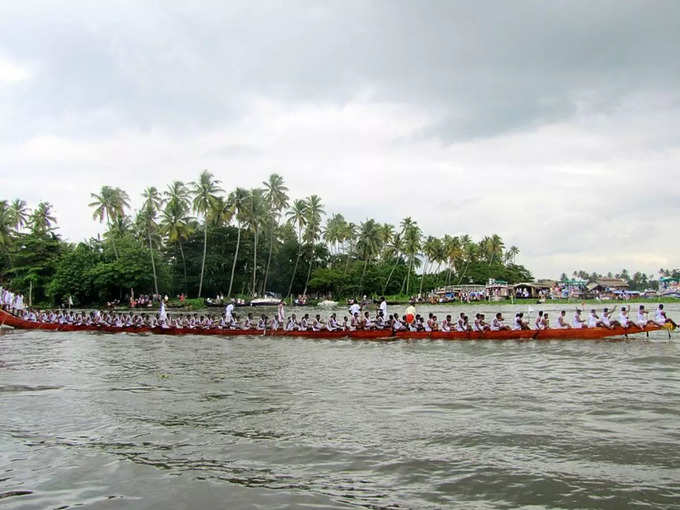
292 324
397 323
519 322
594 320
461 324
624 320
661 318
367 322
562 321
539 321
317 325
332 323
497 323
578 322
642 320
446 324
304 322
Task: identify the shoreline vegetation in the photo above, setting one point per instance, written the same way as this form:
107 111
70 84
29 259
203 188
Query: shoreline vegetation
197 240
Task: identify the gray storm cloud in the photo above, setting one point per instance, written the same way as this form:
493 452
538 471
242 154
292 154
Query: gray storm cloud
552 123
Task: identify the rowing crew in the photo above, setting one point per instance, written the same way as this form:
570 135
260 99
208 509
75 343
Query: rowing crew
606 321
143 320
357 321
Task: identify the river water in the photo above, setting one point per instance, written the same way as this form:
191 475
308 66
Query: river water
129 421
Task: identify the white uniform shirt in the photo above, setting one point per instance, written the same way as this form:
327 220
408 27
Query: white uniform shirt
517 323
660 317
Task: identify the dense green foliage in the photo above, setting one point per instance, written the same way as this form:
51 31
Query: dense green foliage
196 239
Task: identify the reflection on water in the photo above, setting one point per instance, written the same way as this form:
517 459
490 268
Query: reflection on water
119 421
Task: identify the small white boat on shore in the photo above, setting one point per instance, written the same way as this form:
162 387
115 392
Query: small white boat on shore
328 303
269 299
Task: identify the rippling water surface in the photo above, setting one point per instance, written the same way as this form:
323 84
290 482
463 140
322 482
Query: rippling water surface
129 421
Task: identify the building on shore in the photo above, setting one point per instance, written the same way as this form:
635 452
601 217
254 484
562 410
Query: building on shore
607 287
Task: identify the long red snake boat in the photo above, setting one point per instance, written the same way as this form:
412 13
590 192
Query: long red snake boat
378 334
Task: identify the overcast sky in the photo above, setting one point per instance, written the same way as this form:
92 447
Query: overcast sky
554 124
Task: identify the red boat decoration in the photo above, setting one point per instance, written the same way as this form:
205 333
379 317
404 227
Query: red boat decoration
378 334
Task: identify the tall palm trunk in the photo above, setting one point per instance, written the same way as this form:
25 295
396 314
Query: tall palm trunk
153 265
297 260
269 260
389 277
184 264
205 247
115 249
309 272
363 273
422 279
113 242
233 264
408 276
351 249
254 262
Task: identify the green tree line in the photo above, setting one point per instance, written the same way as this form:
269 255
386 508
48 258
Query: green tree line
197 239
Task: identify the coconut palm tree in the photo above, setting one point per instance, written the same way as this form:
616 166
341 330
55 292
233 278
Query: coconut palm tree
177 198
368 245
394 250
176 226
110 204
204 191
254 215
386 233
469 254
6 224
41 220
429 250
454 251
19 214
349 240
334 232
496 247
412 238
220 213
312 230
510 255
297 218
238 201
276 197
152 204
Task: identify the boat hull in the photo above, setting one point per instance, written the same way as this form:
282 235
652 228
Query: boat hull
545 334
